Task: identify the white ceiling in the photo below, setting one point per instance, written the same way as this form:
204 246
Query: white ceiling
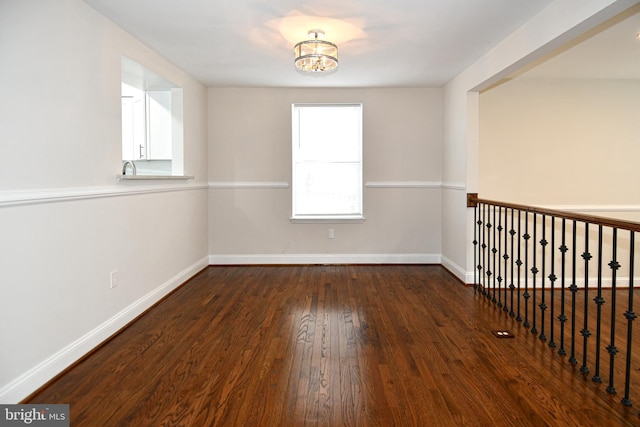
382 43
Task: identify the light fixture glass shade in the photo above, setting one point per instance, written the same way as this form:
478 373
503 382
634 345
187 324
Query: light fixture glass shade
316 55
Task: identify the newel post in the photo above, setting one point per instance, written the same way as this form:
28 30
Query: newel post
472 200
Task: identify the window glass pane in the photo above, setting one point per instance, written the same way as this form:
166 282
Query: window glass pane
327 188
329 134
327 160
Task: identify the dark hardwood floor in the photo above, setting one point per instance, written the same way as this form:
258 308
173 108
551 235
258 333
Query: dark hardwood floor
329 346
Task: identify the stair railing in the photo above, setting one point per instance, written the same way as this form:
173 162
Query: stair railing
548 269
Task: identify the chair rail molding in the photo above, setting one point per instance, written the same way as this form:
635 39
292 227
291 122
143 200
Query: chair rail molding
39 196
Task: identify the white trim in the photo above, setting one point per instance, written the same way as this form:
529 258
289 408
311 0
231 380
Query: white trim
237 185
593 208
454 186
469 278
403 184
607 282
32 197
278 259
35 377
153 177
357 219
455 269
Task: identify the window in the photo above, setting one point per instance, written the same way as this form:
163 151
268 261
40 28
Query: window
327 161
151 121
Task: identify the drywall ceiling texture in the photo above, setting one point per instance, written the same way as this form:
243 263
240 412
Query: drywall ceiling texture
250 141
250 43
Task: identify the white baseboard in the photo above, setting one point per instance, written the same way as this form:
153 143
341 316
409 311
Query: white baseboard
622 282
456 270
607 282
276 259
31 380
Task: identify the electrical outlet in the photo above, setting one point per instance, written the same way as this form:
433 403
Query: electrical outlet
332 233
114 279
503 333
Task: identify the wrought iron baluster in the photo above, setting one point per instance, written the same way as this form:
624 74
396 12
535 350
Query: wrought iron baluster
499 254
552 279
599 302
574 290
543 305
611 348
512 287
500 261
630 316
506 257
534 271
485 281
519 264
493 252
563 318
526 295
476 266
586 256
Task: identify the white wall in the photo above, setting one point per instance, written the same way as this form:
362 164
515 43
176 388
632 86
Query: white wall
250 146
65 223
530 127
559 23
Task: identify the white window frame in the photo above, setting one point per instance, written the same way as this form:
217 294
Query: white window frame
356 215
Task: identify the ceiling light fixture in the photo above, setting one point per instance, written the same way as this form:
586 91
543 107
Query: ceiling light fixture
316 55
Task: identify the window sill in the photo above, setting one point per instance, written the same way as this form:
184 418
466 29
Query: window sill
153 177
328 220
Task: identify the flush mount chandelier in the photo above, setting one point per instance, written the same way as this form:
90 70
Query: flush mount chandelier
316 55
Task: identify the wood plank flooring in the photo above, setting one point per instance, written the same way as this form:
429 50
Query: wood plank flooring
329 346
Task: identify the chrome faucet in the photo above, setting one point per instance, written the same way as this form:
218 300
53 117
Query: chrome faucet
133 167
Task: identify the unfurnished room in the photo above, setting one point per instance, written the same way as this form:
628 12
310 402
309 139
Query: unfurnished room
302 213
